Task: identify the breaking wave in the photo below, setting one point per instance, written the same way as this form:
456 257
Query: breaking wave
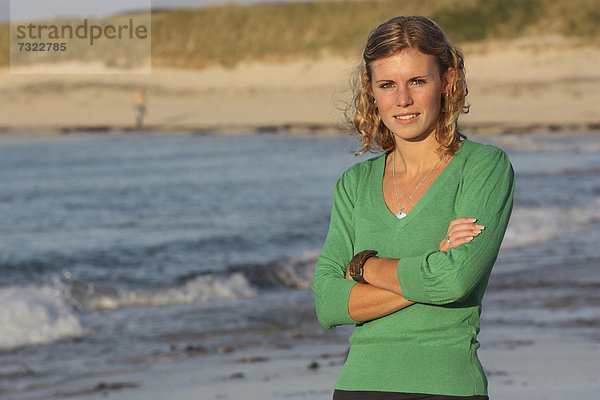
45 313
531 225
34 314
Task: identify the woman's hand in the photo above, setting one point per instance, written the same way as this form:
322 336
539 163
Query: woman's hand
460 231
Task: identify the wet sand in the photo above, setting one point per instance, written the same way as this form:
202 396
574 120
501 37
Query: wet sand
548 367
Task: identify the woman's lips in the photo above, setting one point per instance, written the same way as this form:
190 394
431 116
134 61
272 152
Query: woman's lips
406 118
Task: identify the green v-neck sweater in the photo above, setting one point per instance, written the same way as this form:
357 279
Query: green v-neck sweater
431 346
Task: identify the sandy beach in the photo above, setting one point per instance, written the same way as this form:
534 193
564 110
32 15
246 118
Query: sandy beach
550 368
541 366
522 86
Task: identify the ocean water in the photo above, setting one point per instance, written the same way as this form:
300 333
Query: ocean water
120 251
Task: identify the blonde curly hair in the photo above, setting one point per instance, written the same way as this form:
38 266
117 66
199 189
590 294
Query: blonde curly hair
416 33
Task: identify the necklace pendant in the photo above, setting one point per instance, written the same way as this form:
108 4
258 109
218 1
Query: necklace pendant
400 214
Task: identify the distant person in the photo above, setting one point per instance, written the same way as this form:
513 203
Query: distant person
407 258
139 104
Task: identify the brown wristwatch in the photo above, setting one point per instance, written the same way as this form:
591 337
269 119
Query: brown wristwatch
356 267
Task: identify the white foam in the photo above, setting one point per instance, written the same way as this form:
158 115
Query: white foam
32 315
532 143
297 273
201 289
530 225
294 273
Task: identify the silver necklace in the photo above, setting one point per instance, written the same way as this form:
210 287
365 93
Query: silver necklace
401 214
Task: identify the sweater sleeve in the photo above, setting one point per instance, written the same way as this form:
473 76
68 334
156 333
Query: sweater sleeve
486 193
331 289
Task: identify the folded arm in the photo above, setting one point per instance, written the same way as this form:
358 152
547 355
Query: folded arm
367 302
339 299
441 276
383 272
444 277
383 294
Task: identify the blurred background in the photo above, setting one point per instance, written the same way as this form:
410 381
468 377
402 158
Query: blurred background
285 65
161 217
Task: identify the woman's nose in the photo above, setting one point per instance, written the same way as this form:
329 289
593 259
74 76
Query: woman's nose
403 97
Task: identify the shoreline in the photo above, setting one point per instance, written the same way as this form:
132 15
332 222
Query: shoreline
541 364
483 128
514 87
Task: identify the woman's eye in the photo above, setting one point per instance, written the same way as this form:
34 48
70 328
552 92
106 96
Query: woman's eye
386 85
418 82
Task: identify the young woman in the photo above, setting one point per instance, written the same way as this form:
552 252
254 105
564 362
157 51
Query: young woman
414 232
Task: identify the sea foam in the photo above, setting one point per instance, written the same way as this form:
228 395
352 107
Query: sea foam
33 314
550 144
201 289
531 225
237 283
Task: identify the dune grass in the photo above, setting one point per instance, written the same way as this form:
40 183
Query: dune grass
229 34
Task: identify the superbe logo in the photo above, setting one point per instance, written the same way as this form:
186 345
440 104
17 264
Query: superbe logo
91 32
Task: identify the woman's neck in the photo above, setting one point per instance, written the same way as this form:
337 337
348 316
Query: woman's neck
413 157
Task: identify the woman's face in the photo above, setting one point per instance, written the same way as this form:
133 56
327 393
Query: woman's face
407 88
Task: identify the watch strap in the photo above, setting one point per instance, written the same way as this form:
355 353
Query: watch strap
356 267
